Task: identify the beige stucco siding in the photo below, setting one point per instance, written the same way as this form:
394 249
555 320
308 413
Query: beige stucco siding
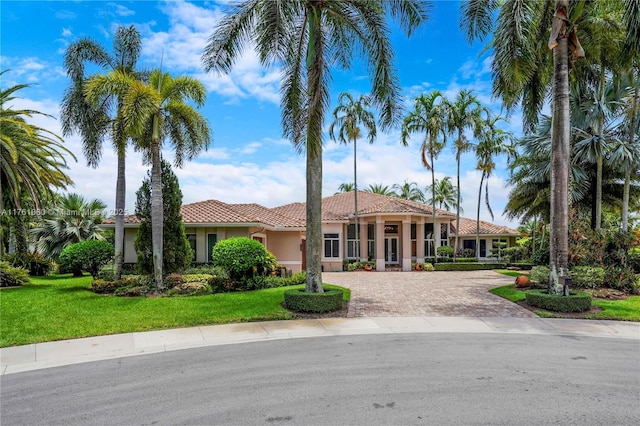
285 246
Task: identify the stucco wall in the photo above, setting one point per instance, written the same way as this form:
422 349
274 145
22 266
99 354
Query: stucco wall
285 246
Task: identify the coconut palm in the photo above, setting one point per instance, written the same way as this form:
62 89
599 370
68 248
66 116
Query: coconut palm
71 220
105 120
32 166
492 142
445 194
408 191
348 114
345 187
427 117
155 112
307 38
462 114
378 188
633 130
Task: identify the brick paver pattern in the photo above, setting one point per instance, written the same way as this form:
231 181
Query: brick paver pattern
452 294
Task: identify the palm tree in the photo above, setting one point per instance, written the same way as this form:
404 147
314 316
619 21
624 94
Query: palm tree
523 74
73 219
347 115
97 122
409 191
307 37
378 188
154 112
445 194
463 113
345 187
428 117
492 141
32 165
632 131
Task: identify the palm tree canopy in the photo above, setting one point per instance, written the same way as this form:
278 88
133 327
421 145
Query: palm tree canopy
348 114
381 189
445 194
291 35
428 117
409 191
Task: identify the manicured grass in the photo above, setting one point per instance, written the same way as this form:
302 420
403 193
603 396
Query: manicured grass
620 310
61 307
511 273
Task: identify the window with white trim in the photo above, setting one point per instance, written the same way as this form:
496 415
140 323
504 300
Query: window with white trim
331 245
429 240
353 243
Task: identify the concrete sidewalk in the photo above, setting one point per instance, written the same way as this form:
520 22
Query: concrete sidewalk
65 352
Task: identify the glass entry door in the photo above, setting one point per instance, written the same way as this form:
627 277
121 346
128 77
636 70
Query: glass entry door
391 250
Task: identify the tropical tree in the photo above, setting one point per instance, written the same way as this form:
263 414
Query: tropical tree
409 191
98 121
462 114
32 167
176 253
345 187
445 194
427 117
492 141
156 111
625 155
378 188
71 220
348 114
307 38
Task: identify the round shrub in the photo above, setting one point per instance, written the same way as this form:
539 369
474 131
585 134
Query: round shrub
575 302
190 289
444 251
243 259
539 275
87 256
172 280
298 300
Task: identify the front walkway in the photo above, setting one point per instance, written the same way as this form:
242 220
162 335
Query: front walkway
426 294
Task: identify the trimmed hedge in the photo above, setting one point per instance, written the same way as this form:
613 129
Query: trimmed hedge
298 300
476 266
575 302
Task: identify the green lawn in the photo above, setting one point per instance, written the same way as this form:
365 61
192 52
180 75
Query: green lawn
60 307
621 310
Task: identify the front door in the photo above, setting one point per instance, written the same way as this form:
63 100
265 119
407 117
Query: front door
391 250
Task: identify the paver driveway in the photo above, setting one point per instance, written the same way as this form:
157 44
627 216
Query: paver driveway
452 294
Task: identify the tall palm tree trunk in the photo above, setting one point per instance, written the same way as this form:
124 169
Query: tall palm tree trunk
355 199
119 214
627 176
560 135
455 248
478 218
314 153
433 207
157 212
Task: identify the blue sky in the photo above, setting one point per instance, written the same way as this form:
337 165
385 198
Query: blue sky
248 161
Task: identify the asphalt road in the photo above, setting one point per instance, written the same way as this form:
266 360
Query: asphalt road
400 379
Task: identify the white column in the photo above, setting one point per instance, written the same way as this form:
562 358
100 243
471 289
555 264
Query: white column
420 240
406 244
380 244
364 237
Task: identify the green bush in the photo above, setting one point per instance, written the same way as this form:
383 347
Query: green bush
197 278
444 251
575 302
295 279
466 259
204 268
107 287
476 266
633 261
107 274
586 277
244 260
540 275
34 263
11 276
621 279
429 267
298 300
190 289
540 257
173 280
132 291
87 256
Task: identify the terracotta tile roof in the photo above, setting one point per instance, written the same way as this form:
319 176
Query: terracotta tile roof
342 205
468 227
217 212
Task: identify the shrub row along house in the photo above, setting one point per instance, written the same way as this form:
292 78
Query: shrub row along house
393 232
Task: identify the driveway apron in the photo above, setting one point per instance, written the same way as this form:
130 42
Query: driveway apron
451 294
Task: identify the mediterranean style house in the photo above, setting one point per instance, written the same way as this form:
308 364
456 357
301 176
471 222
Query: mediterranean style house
391 231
